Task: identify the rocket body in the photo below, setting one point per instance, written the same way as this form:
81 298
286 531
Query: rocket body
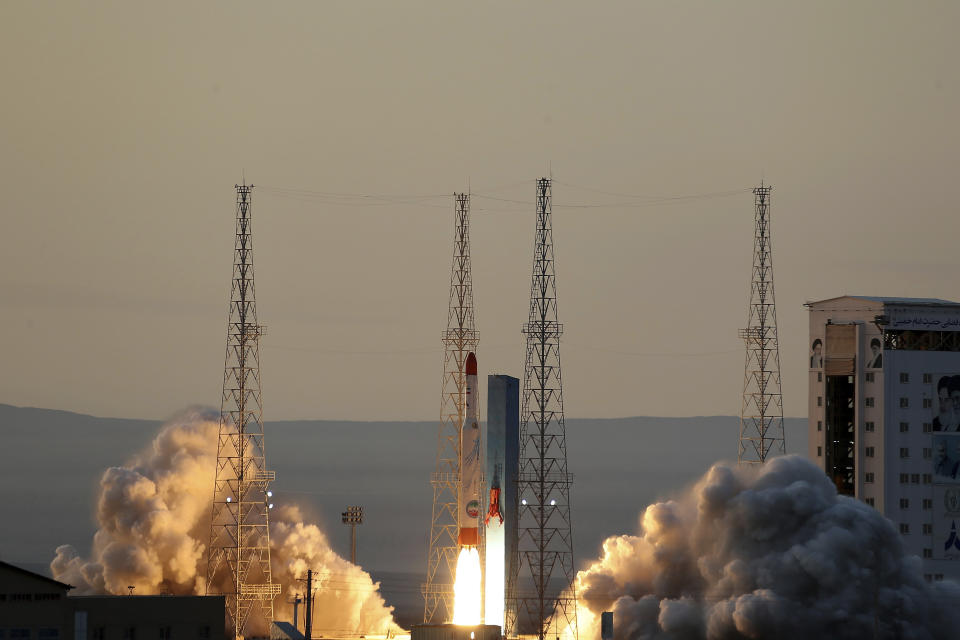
468 500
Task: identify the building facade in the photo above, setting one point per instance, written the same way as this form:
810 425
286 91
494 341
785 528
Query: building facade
35 607
884 414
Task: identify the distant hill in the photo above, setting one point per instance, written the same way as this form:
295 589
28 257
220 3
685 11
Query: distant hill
51 461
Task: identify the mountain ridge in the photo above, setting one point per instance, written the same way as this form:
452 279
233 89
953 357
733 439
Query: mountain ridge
52 461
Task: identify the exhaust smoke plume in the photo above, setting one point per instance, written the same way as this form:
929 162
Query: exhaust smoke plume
769 552
154 525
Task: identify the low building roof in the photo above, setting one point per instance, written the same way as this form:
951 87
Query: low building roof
37 576
893 300
280 630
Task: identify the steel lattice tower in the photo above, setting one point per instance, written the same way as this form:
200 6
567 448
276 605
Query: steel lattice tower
761 414
238 560
459 339
542 577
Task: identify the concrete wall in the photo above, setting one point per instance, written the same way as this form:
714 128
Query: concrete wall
151 617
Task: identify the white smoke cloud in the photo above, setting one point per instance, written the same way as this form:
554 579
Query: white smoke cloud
768 552
346 600
154 525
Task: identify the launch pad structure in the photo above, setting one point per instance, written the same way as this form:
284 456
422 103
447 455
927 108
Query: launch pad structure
541 590
761 412
238 560
459 340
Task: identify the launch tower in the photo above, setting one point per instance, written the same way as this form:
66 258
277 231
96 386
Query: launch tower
761 413
238 560
541 588
459 340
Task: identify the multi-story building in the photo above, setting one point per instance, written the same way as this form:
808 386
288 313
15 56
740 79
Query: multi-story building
884 414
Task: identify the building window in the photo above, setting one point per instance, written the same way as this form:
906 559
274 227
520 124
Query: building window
904 403
927 403
819 401
904 478
904 377
904 528
928 529
868 477
819 425
904 427
904 452
904 503
927 453
819 451
869 501
869 376
869 426
868 452
927 427
868 402
937 577
928 478
928 553
915 478
928 378
819 376
927 504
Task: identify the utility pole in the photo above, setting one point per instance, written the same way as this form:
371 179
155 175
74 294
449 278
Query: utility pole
761 412
546 595
459 339
352 516
238 560
308 621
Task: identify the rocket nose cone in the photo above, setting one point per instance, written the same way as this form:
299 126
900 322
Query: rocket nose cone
471 364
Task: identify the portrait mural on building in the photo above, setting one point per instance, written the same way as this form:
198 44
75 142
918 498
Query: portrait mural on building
947 404
875 357
945 464
816 354
946 459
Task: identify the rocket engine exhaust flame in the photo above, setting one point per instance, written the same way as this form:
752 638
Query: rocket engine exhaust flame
154 522
767 551
466 588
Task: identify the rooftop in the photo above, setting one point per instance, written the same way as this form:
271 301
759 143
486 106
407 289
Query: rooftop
892 300
37 576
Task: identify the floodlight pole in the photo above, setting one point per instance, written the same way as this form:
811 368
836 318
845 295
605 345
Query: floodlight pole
352 516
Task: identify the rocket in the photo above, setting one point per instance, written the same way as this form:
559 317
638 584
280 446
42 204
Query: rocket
468 499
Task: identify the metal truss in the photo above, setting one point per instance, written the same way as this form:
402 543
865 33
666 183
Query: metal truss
761 413
459 339
238 560
541 590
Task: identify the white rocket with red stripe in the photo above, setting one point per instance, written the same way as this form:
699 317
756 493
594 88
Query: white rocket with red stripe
468 500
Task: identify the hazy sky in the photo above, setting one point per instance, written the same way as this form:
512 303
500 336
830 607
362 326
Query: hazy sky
126 125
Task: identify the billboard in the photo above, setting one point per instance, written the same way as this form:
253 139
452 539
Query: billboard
945 466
